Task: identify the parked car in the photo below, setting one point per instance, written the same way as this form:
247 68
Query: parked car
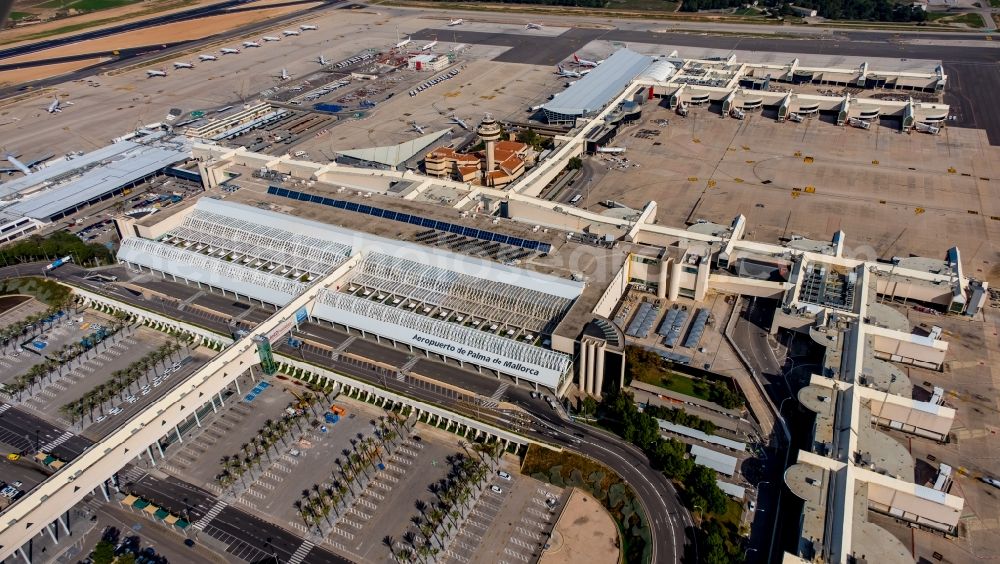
115 410
101 418
132 399
496 489
504 475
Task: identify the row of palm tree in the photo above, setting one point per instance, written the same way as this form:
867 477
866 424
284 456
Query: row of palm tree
122 382
441 519
54 363
31 326
352 474
273 434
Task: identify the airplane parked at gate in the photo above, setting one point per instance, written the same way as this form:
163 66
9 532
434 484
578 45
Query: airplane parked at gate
567 73
429 46
459 21
20 166
154 73
322 60
289 32
585 62
251 44
208 58
460 122
404 43
284 75
308 27
183 66
271 38
417 128
229 51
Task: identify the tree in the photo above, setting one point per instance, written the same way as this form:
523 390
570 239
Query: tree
589 406
104 553
574 163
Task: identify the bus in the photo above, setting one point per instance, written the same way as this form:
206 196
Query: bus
576 199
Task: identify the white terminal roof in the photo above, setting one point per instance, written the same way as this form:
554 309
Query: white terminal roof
395 155
68 183
272 257
595 90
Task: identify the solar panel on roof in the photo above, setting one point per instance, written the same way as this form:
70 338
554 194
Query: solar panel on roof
500 238
351 206
339 204
428 223
316 199
697 329
404 217
389 214
327 201
364 209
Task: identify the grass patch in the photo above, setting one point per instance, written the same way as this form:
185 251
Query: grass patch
971 19
46 291
17 16
85 25
995 3
746 12
94 5
568 469
644 5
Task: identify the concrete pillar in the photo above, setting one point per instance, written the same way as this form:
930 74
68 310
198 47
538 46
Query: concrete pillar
591 350
149 452
581 371
178 431
52 533
675 281
661 286
159 447
212 401
221 401
64 521
23 554
104 490
237 382
196 420
599 370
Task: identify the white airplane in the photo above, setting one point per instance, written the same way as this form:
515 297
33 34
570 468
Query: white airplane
154 73
56 106
567 73
460 122
229 51
208 58
183 66
585 62
459 21
417 128
23 167
429 46
271 38
284 75
533 26
322 60
404 43
289 32
251 44
611 149
308 27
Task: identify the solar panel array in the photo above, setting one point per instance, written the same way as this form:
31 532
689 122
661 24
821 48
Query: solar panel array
676 358
471 232
673 333
643 321
697 329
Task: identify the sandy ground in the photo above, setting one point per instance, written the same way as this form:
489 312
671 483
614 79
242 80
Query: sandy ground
169 33
38 73
585 532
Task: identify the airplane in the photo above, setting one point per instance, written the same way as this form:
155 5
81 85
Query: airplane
56 106
251 44
459 21
284 75
585 62
229 51
612 150
533 26
322 60
429 46
567 73
460 122
308 27
404 43
271 38
417 128
24 167
154 73
289 32
183 66
208 58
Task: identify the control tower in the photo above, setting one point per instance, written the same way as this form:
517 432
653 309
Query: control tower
489 131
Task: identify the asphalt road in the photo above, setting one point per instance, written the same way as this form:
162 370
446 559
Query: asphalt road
29 433
671 524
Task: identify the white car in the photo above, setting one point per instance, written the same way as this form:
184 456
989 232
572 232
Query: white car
145 390
115 410
504 475
131 399
496 489
176 365
157 382
101 418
